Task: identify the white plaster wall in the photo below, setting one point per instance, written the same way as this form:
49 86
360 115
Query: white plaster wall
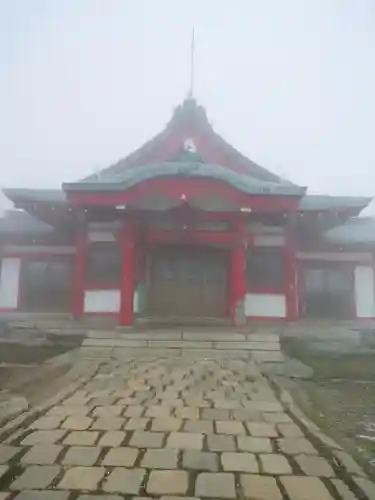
269 240
9 282
265 305
336 256
102 301
101 236
364 292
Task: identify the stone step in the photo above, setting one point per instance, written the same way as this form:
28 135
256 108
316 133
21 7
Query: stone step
183 344
120 353
201 336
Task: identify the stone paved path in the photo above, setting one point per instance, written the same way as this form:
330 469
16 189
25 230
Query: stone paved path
171 428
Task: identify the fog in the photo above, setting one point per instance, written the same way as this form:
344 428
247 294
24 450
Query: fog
290 84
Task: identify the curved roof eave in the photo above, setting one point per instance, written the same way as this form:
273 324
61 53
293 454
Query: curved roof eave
244 183
315 203
355 231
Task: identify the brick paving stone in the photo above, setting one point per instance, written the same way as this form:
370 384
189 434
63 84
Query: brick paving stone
295 446
47 423
277 418
273 463
77 423
102 497
167 482
36 477
81 438
42 454
81 455
187 412
160 459
144 439
343 490
185 440
314 466
43 437
167 424
112 438
229 427
82 478
366 485
199 426
40 495
169 497
254 444
241 462
3 469
260 487
215 414
126 481
103 401
158 411
108 423
121 456
69 411
8 452
134 411
261 429
135 423
200 460
217 442
289 430
107 411
305 488
243 414
348 462
217 485
266 406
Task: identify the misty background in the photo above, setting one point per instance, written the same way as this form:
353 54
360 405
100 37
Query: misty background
289 83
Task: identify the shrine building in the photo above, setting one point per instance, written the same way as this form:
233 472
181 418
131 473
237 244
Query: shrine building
186 227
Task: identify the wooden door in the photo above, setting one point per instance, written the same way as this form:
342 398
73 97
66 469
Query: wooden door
187 282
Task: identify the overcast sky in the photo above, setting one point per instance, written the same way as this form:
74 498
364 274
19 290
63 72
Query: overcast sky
289 83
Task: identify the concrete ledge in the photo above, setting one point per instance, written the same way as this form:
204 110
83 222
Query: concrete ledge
151 336
268 356
250 346
183 344
213 354
198 336
263 337
114 342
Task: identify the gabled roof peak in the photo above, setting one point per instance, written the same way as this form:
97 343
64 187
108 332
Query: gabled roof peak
189 113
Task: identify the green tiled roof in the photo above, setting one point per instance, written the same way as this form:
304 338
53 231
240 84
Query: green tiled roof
354 231
320 202
44 195
126 179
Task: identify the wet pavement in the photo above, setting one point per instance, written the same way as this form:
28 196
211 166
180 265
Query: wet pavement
159 427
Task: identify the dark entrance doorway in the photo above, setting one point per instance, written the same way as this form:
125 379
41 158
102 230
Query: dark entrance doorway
187 282
327 291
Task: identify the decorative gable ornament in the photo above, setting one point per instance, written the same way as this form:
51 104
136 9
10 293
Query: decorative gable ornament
190 146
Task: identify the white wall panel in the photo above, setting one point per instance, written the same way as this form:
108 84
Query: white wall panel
102 301
269 240
364 292
265 305
336 256
9 282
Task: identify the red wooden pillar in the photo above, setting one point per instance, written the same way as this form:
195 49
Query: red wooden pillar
127 282
238 270
79 273
291 278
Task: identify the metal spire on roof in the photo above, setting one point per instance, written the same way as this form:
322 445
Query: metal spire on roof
192 65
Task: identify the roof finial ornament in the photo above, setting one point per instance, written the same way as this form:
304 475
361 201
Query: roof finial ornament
192 65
